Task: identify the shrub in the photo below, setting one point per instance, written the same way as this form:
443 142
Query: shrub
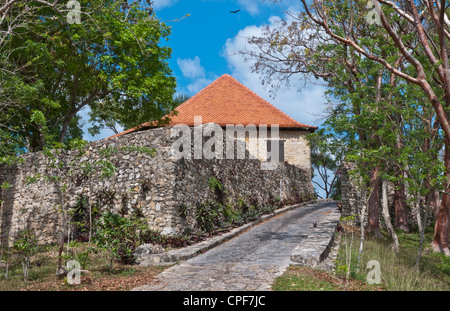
218 188
26 246
149 236
118 237
208 215
83 218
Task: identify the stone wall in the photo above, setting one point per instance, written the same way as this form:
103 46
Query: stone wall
158 185
352 198
34 204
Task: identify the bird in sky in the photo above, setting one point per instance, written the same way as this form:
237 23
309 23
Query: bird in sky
235 11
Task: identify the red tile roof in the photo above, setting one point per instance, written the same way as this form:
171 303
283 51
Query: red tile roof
227 101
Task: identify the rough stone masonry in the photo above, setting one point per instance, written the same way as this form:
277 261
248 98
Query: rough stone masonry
157 184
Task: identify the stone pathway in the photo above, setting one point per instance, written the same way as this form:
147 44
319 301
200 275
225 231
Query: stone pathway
250 261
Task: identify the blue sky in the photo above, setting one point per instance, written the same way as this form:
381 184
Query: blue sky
205 46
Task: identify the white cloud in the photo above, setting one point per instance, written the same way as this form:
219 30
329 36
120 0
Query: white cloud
251 6
304 106
191 68
198 85
161 4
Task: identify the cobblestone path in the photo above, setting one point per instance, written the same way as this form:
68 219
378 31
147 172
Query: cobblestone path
250 261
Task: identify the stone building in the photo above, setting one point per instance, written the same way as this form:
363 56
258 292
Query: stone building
228 102
161 184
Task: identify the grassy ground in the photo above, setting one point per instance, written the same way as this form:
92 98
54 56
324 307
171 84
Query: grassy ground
298 278
398 272
97 277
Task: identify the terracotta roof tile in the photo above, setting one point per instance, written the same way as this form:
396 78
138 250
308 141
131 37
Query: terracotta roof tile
227 101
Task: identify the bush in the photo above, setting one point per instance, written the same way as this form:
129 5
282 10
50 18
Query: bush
118 237
83 216
26 246
208 215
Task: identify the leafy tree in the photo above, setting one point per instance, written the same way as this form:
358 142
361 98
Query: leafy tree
113 61
377 109
26 246
118 237
106 119
326 158
419 32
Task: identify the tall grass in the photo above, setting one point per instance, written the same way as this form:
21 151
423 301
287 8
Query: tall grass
397 271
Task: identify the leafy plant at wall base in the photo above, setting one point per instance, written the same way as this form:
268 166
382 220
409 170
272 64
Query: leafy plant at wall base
242 206
152 236
26 246
218 188
229 212
214 183
79 252
208 215
184 210
81 220
118 237
106 197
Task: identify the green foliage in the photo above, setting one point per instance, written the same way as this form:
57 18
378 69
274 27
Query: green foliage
26 246
5 185
77 144
219 189
26 243
30 180
215 184
108 152
78 251
294 282
83 216
107 168
207 215
326 158
444 264
184 210
115 62
117 237
398 271
229 213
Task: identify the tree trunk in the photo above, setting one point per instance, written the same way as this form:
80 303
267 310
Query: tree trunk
435 203
422 234
401 217
362 218
440 241
387 217
60 270
418 211
374 203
